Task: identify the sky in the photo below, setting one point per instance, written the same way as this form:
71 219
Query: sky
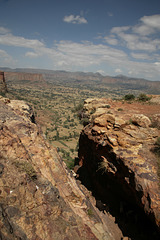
112 37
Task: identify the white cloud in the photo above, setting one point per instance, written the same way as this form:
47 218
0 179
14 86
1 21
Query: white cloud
152 21
141 37
74 19
157 63
102 72
11 40
118 70
87 53
117 30
135 42
143 30
111 40
4 30
142 56
148 25
31 54
5 58
87 56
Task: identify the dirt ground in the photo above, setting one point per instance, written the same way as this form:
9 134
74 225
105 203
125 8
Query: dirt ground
147 108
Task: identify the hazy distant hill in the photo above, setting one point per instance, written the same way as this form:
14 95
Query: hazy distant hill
133 83
120 81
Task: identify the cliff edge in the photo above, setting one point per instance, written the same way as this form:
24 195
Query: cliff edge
39 197
119 164
3 86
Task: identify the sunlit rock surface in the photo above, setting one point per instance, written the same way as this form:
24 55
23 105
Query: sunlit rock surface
117 159
39 197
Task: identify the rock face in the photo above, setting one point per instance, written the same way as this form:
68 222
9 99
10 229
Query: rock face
39 197
10 76
3 87
119 166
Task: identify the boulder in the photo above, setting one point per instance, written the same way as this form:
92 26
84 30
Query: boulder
141 120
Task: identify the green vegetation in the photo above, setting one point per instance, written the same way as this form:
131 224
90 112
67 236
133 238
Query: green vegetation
130 121
120 109
57 104
79 107
143 97
129 97
90 212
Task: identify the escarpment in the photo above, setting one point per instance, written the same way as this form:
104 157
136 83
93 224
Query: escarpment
118 164
22 76
39 197
3 86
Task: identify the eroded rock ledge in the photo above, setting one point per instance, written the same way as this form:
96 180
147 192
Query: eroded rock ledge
39 197
118 164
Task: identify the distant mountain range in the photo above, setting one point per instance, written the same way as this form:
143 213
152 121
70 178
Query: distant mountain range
119 81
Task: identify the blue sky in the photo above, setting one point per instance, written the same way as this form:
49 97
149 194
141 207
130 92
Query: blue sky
107 36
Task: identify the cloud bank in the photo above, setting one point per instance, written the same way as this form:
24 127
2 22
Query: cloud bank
130 50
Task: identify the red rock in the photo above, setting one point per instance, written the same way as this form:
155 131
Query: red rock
3 86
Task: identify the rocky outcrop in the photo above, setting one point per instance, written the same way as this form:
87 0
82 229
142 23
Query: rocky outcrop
3 86
119 166
39 197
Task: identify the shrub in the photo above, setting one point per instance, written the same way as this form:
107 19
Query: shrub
106 106
130 121
79 107
90 212
120 109
70 163
143 97
129 97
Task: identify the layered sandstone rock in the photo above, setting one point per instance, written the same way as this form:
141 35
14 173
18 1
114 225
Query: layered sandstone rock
3 87
118 162
39 198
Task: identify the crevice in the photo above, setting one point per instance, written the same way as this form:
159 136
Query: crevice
112 196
